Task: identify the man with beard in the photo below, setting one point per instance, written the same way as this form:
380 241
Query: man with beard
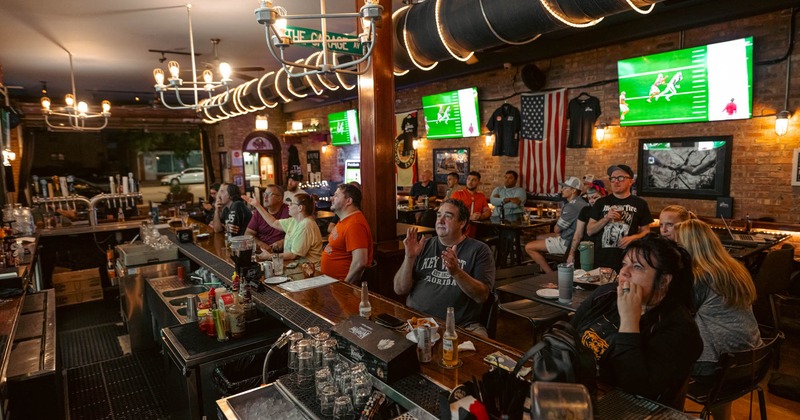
474 200
349 249
292 188
449 270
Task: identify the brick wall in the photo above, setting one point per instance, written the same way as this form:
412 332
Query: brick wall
761 164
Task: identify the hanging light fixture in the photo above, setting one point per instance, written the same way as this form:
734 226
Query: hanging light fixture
178 85
262 124
75 114
275 20
782 123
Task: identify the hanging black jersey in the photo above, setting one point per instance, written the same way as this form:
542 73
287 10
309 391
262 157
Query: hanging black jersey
506 123
583 112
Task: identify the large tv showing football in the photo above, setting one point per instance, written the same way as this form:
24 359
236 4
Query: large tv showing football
711 82
452 115
344 128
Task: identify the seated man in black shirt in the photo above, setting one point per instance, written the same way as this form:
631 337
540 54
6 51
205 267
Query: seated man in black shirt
425 187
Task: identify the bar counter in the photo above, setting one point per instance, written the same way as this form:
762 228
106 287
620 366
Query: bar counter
330 304
10 310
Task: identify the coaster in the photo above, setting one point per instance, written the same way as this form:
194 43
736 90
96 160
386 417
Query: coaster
440 362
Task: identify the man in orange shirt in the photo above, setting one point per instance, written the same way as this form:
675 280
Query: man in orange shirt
349 249
475 201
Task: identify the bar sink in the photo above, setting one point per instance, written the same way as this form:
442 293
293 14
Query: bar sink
180 301
191 290
182 311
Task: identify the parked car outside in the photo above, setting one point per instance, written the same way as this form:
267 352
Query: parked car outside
194 175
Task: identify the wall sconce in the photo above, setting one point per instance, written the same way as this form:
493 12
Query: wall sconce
8 156
600 131
262 124
416 143
325 148
489 139
782 123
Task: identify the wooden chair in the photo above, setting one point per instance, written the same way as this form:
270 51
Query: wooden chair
739 375
773 277
489 314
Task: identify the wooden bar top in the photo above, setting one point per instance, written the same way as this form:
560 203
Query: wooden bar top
336 302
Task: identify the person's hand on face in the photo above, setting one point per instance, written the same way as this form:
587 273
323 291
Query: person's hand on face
629 302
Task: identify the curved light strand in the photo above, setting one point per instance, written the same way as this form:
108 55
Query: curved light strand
641 11
565 21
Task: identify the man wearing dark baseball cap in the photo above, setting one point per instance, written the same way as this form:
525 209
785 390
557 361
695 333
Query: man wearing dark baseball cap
617 219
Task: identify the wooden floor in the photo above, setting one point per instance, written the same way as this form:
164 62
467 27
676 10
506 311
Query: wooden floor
516 332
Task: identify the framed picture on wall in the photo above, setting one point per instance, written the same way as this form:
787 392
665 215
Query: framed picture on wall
686 167
796 167
446 161
220 140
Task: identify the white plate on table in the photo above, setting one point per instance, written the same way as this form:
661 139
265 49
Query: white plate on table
548 293
276 280
413 337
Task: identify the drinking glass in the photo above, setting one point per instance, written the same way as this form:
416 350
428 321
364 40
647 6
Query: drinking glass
327 399
305 369
184 215
322 378
362 389
277 264
343 408
293 361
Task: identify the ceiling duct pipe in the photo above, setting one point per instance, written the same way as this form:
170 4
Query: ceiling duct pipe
437 30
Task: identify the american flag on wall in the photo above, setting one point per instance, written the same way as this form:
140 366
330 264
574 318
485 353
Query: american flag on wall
542 148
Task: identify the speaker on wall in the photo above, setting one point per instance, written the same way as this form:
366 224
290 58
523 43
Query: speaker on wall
533 77
725 207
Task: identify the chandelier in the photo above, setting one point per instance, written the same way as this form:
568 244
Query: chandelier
275 18
178 86
75 116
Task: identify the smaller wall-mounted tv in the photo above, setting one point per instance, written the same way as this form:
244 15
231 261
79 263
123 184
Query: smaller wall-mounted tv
706 83
452 115
344 128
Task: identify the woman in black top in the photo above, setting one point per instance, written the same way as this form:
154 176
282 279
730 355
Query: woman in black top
641 329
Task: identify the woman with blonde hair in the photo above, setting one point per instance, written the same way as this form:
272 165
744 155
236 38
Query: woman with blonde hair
723 300
671 216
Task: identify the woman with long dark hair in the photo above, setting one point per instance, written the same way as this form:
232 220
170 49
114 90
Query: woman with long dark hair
640 329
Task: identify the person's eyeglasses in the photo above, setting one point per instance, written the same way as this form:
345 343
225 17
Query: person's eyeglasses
618 178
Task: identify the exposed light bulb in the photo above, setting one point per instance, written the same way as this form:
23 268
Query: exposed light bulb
174 69
106 106
69 100
782 123
208 77
225 71
324 148
83 108
280 27
158 74
600 132
489 139
46 103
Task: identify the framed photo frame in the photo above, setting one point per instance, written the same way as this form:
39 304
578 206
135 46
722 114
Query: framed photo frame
451 160
796 167
220 140
686 167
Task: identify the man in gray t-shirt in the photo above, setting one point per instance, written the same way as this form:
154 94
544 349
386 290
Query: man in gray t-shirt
448 270
560 240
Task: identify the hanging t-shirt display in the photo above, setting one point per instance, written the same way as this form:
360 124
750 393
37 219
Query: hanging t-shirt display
409 132
294 163
506 123
583 112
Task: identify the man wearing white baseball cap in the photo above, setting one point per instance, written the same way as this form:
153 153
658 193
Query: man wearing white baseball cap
559 241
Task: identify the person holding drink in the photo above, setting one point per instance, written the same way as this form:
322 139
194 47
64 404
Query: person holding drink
230 211
618 219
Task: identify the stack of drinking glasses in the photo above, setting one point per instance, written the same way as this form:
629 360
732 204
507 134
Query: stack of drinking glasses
341 388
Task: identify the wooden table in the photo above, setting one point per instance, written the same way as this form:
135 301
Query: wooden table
324 214
509 232
409 215
747 252
402 229
527 289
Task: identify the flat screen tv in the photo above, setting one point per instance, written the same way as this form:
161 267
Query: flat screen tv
686 167
452 115
344 128
706 83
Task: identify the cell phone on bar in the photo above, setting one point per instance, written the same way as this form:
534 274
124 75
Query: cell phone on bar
389 321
